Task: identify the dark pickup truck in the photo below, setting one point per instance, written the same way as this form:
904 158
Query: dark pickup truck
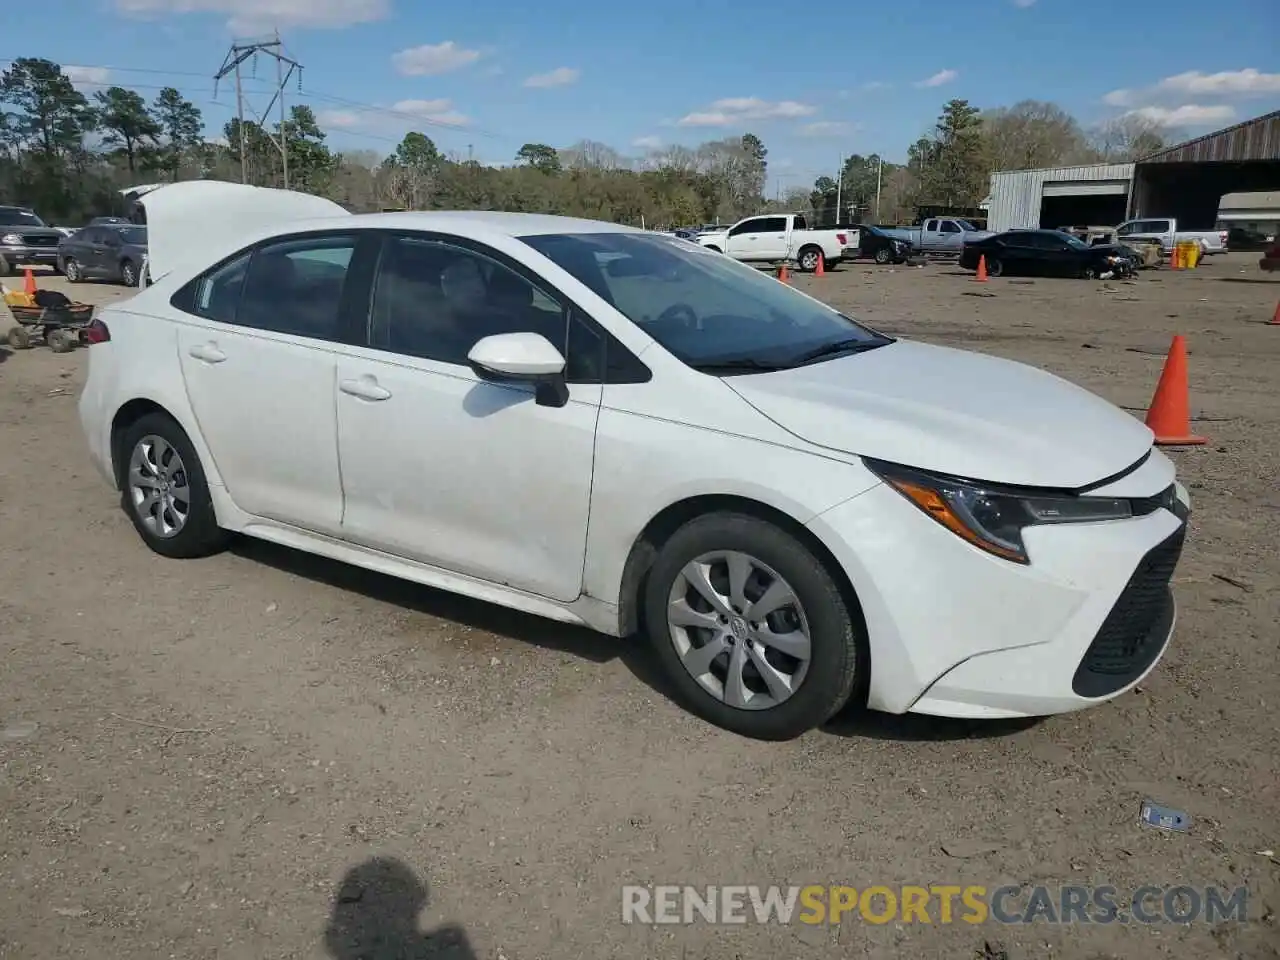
26 241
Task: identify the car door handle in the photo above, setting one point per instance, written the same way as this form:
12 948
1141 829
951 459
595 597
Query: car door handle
366 388
208 352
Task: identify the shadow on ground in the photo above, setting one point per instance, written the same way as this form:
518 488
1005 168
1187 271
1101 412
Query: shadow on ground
375 917
1275 280
633 652
5 353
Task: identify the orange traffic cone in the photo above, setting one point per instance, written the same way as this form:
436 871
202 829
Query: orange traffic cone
1275 319
782 273
1170 415
820 269
29 285
982 269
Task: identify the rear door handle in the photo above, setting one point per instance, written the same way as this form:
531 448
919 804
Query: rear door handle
366 388
208 352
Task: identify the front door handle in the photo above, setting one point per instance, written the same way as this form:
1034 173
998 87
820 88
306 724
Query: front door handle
366 388
208 352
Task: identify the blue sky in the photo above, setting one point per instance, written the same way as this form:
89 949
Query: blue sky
486 76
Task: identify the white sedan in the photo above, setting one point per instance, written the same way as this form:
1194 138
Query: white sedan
616 428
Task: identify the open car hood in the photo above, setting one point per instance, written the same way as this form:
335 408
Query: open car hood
187 220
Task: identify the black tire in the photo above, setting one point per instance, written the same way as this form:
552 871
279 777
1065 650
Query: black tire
18 338
713 249
1088 272
808 258
5 268
59 341
71 270
837 656
129 273
883 256
200 536
994 268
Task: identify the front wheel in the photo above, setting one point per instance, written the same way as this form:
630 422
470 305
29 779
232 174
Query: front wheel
883 256
71 270
994 268
752 631
163 489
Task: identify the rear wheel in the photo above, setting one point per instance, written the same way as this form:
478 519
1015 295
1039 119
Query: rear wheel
129 273
994 268
752 631
163 489
1089 272
809 258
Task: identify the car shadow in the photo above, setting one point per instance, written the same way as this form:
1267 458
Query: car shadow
5 353
375 916
1247 279
490 617
858 722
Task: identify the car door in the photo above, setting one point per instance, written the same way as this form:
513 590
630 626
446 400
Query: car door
442 467
758 239
949 236
78 247
258 347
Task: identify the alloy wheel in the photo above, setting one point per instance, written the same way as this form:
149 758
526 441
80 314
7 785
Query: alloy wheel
739 630
158 487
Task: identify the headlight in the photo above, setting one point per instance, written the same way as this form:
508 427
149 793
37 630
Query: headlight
990 517
12 239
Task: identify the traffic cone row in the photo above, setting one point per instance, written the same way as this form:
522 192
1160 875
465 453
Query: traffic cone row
1169 417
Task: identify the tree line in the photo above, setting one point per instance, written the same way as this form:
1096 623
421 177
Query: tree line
68 154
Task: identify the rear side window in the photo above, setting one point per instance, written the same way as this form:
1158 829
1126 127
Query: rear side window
217 294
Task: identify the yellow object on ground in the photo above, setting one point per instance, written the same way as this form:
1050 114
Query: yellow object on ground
16 298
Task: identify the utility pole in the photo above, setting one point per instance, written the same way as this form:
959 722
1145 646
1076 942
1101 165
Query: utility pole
231 64
879 174
839 187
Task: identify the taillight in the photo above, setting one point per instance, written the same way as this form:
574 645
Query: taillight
1222 236
842 238
96 332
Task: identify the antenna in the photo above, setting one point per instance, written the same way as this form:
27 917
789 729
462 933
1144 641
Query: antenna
239 53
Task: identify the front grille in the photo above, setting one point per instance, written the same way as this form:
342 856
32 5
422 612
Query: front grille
39 240
1134 633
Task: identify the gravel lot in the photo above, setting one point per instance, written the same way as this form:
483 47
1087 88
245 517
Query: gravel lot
193 755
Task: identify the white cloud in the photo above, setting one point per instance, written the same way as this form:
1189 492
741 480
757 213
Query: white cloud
826 128
647 143
433 59
559 77
262 16
92 77
342 119
1187 115
435 111
1227 83
730 111
939 78
1224 85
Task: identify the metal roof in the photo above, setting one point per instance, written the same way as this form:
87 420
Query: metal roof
1256 139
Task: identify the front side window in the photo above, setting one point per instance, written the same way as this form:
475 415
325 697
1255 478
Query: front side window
950 227
706 309
435 300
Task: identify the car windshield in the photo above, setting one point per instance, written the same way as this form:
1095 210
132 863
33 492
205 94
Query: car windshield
1072 240
705 308
133 235
966 226
19 218
874 231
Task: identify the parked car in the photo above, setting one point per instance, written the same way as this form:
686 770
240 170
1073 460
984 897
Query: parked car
1245 239
775 237
111 252
609 427
109 222
1164 230
26 240
869 242
939 236
1046 253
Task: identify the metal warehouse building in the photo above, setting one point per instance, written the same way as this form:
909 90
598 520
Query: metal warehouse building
1186 181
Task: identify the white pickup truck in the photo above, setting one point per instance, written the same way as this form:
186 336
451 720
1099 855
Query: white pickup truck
1164 231
774 237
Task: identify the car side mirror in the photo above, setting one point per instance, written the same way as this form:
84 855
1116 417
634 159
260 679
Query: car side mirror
522 358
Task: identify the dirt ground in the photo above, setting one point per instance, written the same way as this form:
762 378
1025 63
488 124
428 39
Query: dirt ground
194 755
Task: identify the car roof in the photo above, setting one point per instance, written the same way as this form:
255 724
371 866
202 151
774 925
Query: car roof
491 221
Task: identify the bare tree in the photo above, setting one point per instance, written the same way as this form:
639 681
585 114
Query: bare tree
1033 134
1131 136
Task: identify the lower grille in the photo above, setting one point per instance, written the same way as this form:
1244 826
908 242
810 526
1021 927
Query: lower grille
1134 633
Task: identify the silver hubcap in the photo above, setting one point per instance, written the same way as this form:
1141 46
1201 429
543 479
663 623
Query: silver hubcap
129 276
739 630
158 487
810 261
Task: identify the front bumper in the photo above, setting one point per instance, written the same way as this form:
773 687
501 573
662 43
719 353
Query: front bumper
20 255
956 632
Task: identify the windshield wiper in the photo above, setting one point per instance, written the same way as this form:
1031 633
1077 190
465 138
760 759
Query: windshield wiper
738 363
837 347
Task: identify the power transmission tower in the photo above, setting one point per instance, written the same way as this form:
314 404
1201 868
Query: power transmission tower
236 57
